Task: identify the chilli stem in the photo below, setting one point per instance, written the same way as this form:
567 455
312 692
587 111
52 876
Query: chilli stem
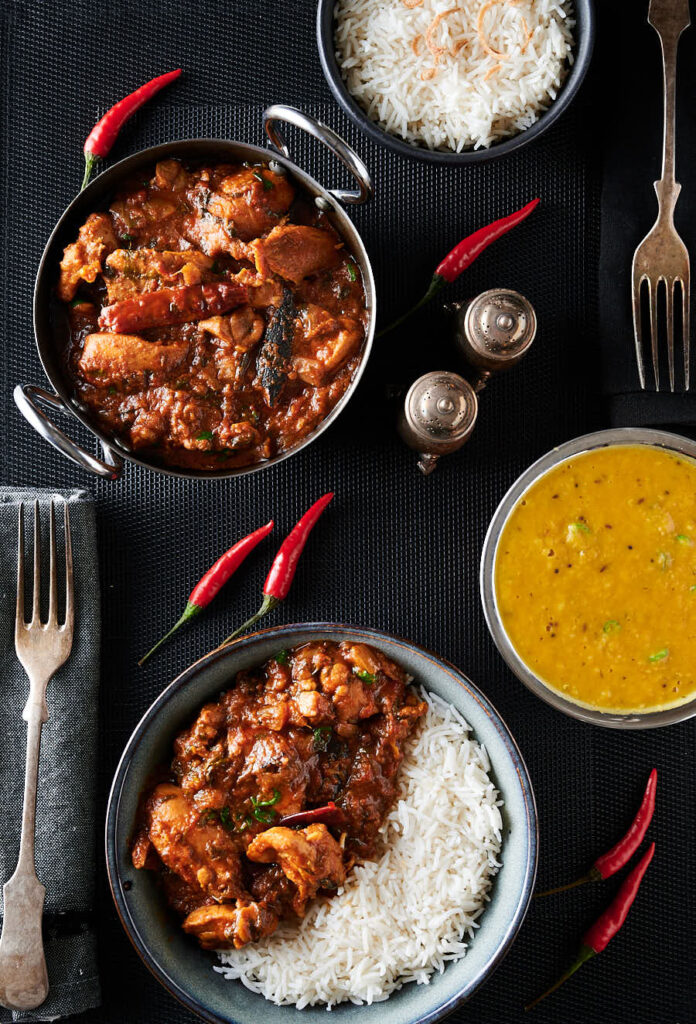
269 603
563 888
190 611
434 287
90 161
585 954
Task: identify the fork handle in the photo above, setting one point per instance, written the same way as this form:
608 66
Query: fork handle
23 974
669 32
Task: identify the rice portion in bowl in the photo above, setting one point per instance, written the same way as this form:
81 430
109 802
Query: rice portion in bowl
402 917
454 75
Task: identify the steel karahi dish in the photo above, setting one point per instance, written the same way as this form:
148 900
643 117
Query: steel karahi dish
589 577
204 307
215 316
329 825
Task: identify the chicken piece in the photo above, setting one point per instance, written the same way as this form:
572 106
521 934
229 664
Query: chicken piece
309 857
82 260
262 291
148 428
237 435
227 926
294 251
354 700
323 344
134 271
192 422
109 358
172 175
214 237
273 766
171 306
199 851
313 708
251 201
240 330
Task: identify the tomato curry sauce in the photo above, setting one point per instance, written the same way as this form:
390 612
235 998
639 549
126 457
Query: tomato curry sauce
320 723
215 317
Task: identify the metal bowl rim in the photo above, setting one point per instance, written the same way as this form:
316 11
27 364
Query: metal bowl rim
614 436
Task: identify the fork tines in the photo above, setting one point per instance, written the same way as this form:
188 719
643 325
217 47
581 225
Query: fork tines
52 620
661 317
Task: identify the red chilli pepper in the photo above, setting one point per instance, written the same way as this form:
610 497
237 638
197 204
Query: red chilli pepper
613 860
330 814
464 254
103 135
216 577
599 935
282 571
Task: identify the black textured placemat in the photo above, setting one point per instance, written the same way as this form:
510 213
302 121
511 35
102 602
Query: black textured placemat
397 551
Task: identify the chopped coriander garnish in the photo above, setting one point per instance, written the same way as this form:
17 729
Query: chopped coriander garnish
76 302
112 390
583 527
366 677
611 626
322 736
352 272
282 657
659 655
683 538
210 814
126 240
268 185
205 435
692 588
263 809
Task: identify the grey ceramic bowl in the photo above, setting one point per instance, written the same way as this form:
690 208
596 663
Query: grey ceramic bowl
186 970
584 43
601 439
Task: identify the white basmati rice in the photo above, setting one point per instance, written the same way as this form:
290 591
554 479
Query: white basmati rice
402 917
474 98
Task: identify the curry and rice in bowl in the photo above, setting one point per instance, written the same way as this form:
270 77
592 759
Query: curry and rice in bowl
327 826
215 316
589 578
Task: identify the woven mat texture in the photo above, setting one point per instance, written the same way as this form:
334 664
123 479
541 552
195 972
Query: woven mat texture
397 551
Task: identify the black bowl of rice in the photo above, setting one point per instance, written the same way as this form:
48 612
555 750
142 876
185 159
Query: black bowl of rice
455 82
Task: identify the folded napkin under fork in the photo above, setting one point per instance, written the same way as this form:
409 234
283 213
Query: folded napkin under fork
65 811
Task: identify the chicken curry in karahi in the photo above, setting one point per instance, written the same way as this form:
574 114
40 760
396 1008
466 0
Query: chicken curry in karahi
277 789
215 316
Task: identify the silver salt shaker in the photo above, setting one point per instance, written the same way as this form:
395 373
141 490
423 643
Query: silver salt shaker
438 416
494 330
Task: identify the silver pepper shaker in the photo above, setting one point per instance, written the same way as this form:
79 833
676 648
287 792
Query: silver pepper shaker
438 416
494 330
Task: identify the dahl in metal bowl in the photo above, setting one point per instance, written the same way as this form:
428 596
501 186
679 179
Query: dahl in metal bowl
644 718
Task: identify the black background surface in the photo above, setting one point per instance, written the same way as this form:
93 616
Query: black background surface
395 551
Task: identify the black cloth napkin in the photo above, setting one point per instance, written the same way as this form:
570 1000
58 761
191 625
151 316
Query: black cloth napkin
65 818
629 108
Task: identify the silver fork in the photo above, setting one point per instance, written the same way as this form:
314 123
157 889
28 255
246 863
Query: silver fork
662 256
41 648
